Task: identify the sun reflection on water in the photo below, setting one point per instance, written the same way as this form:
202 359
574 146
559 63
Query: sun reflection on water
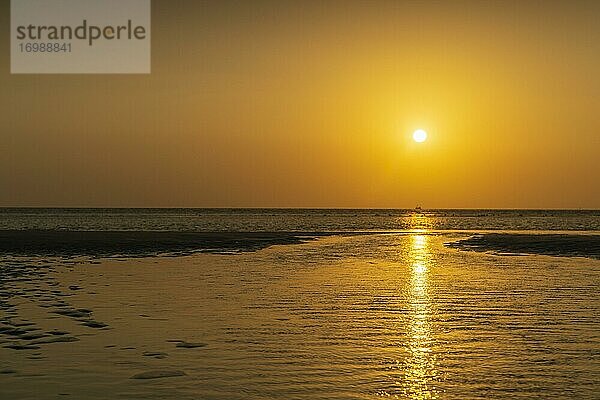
420 364
420 222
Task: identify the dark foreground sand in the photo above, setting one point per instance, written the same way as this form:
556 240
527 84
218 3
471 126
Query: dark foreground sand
547 244
140 243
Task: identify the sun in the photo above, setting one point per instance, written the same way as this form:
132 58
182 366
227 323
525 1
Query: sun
420 136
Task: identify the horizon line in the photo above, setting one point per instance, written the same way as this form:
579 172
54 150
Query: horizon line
296 208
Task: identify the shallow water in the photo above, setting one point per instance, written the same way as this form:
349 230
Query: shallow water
395 315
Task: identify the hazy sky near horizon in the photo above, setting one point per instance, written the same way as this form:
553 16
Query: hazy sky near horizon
313 104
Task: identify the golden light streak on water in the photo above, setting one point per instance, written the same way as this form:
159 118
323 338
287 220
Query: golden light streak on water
420 222
420 365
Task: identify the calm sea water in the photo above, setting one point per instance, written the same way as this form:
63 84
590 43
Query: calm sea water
313 220
389 315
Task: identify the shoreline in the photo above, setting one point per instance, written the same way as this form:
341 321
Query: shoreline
176 243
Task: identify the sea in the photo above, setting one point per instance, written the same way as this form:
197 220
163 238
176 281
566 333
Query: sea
309 220
299 304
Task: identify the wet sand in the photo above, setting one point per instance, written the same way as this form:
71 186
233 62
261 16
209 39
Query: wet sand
359 317
140 243
549 244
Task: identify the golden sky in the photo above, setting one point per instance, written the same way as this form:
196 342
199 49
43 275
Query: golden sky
313 104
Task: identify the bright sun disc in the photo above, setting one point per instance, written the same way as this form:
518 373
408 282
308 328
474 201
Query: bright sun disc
420 135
